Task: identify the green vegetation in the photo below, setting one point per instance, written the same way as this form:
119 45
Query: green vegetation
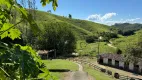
48 31
91 38
84 48
70 16
60 64
124 42
81 28
106 36
54 36
97 74
16 61
134 52
127 29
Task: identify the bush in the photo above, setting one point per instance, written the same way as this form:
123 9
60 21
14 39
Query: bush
91 39
107 35
109 72
103 70
118 51
116 75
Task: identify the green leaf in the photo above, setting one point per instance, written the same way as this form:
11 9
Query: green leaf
6 26
14 33
2 71
8 31
6 2
5 34
54 3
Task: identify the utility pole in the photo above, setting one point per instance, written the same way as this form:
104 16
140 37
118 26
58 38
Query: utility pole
99 38
98 46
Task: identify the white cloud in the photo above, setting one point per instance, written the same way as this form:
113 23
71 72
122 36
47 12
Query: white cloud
112 22
132 20
108 16
94 17
98 17
107 19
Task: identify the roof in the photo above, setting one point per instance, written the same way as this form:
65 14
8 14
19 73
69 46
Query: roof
42 52
117 57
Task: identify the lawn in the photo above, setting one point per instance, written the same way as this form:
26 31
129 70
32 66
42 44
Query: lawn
60 64
97 74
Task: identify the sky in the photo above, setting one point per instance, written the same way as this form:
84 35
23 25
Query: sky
106 12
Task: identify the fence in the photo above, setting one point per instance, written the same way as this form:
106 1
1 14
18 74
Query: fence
108 72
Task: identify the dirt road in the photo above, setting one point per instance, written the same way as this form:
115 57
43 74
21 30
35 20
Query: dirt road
80 74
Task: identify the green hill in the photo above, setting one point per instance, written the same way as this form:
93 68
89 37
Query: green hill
127 28
80 27
126 41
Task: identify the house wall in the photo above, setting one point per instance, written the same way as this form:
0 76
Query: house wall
131 66
113 62
121 64
105 60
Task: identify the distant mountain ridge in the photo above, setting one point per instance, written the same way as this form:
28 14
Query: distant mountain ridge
127 28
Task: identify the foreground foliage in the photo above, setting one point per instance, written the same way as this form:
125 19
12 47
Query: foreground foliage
16 61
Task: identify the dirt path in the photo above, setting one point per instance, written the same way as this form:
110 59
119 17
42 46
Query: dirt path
78 75
110 45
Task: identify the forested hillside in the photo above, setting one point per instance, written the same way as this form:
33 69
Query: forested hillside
127 28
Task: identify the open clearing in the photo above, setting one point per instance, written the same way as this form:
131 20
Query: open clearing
62 65
77 71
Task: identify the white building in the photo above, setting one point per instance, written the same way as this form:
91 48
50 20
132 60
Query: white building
117 60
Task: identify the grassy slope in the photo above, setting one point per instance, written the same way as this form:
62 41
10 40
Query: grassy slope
60 64
123 42
80 27
84 48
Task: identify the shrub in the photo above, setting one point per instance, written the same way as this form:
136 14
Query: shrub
91 39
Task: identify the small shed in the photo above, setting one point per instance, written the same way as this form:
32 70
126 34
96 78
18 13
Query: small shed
43 54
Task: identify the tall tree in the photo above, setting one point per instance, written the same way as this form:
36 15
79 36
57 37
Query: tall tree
59 37
70 16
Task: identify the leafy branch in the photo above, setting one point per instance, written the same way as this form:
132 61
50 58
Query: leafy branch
1 32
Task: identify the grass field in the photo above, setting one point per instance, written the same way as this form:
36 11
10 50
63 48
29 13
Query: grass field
60 64
91 49
97 74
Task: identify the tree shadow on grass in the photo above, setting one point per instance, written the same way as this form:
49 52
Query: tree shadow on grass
59 70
